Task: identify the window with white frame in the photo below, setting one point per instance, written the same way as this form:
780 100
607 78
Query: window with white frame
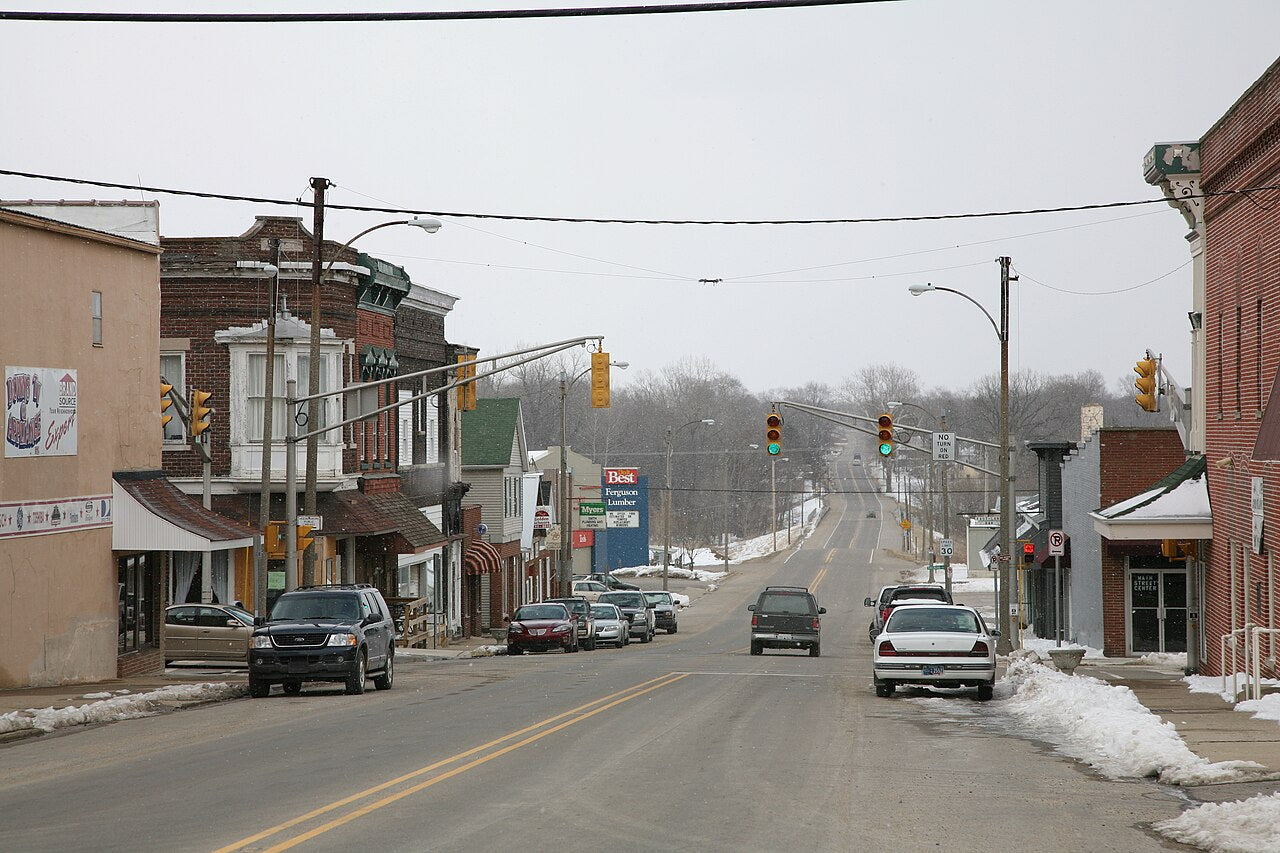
256 396
404 424
95 316
431 428
173 371
304 379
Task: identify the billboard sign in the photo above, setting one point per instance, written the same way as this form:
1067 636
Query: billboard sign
40 411
625 540
591 515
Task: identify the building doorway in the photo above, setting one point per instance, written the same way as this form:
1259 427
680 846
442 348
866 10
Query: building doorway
1156 593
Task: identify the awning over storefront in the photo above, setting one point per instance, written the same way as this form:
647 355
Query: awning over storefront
152 514
354 513
1175 508
481 558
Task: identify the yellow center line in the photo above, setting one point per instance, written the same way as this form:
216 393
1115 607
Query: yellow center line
813 587
831 555
416 773
670 678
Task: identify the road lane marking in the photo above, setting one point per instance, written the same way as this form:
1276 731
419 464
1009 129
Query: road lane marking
628 693
818 580
843 506
830 556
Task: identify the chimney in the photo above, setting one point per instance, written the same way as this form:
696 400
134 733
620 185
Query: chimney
1051 454
1090 421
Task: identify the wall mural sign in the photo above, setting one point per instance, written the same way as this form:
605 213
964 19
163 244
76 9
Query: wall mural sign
62 515
40 411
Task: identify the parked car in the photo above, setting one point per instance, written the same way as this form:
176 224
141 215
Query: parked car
786 617
637 610
580 612
612 625
941 645
588 589
612 582
899 592
541 627
664 610
339 632
206 632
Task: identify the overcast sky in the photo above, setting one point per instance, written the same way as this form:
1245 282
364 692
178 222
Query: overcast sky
901 108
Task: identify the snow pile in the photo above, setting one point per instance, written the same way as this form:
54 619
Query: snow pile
1214 683
123 706
1266 708
672 571
1246 826
1106 727
1173 659
1041 647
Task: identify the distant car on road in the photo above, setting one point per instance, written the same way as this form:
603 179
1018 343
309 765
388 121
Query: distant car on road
939 645
786 617
871 513
891 595
664 610
539 628
206 632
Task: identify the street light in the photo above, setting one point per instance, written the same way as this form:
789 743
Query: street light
666 508
428 224
564 577
1005 643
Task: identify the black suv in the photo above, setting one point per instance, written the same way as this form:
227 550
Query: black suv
786 617
323 633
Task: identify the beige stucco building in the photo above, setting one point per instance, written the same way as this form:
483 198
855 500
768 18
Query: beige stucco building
79 340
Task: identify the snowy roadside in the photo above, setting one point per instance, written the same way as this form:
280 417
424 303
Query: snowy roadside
117 705
1107 728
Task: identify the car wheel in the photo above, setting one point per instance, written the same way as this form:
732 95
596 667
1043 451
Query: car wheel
815 650
388 677
292 687
591 644
355 683
646 637
673 629
513 650
884 689
626 637
985 691
871 632
756 648
258 688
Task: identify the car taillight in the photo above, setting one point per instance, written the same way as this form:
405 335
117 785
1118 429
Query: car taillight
815 623
753 620
886 649
884 615
979 650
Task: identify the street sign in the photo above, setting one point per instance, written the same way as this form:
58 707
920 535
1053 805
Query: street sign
591 515
944 446
315 522
624 518
552 541
1057 543
541 519
947 547
904 524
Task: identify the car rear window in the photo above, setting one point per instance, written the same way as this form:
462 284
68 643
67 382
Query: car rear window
776 602
925 592
909 620
624 599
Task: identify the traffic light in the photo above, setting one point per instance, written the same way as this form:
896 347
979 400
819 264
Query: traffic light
200 412
467 392
884 423
165 402
599 380
1147 398
1028 553
304 537
773 433
273 541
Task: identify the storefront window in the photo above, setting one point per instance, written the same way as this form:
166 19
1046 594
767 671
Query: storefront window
136 581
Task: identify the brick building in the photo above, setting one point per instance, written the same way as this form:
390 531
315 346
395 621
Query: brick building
1242 333
216 321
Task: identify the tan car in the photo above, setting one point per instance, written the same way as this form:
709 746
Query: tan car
206 632
590 590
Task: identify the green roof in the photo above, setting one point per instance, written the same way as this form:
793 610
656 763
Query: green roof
489 431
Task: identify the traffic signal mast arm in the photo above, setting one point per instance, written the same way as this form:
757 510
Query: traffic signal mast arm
834 416
183 409
538 352
1164 384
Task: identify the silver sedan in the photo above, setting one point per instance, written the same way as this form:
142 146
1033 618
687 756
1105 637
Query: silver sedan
611 625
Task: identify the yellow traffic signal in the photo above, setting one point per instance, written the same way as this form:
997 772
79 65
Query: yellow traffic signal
165 402
273 542
200 412
1147 398
773 433
884 426
599 380
304 537
466 393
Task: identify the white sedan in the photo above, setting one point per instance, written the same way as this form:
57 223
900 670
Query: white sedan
939 645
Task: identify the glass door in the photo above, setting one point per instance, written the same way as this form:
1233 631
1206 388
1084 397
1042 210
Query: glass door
1157 611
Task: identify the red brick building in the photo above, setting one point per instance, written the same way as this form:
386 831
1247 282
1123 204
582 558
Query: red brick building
1242 332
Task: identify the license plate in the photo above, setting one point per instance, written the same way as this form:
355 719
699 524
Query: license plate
297 666
785 637
934 669
538 632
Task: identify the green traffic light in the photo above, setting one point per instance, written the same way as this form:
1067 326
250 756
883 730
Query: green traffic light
886 449
773 448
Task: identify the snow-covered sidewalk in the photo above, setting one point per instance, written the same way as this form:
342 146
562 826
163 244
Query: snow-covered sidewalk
105 707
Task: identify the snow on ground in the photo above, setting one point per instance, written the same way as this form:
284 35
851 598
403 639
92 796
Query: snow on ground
1102 725
1041 647
1174 659
124 706
1245 826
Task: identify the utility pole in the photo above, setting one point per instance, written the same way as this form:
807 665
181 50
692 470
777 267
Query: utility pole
1005 643
726 511
268 427
318 186
565 575
773 498
946 513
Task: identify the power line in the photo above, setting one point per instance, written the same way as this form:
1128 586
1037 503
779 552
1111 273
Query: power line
587 220
1181 266
399 17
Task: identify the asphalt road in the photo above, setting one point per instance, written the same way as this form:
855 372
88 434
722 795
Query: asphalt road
685 743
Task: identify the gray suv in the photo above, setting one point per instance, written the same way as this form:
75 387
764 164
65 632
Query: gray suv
636 608
786 617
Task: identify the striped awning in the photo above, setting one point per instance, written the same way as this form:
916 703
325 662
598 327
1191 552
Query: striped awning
481 558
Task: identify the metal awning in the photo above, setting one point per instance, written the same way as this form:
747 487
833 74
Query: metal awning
152 514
